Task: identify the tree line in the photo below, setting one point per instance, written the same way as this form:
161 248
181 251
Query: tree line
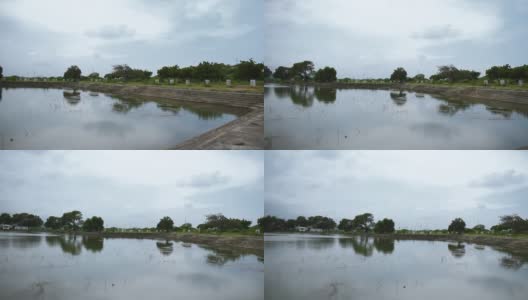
360 223
245 70
69 221
305 71
365 223
213 222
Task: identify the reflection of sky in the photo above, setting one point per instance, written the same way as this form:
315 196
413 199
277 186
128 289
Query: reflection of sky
426 269
127 269
366 119
45 119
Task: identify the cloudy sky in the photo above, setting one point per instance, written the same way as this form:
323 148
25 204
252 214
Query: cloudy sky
417 189
45 37
133 188
371 38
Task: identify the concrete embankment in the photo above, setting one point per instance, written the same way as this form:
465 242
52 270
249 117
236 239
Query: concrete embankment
246 132
246 243
450 92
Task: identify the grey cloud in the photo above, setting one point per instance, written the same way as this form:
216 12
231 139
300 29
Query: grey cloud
438 33
207 180
497 180
112 32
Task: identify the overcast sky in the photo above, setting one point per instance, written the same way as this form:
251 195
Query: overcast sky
417 189
371 38
133 188
45 37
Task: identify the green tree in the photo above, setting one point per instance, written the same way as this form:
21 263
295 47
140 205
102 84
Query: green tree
302 221
457 226
384 226
53 223
267 72
271 224
1 72
5 218
321 222
345 225
25 219
166 224
514 223
327 74
186 226
169 72
479 228
247 70
73 73
72 220
93 224
419 77
303 70
94 75
282 73
399 75
363 222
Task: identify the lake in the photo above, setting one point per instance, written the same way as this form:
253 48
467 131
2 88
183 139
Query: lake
303 117
64 267
344 267
32 118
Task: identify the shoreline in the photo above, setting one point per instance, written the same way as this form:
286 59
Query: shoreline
246 132
513 245
475 93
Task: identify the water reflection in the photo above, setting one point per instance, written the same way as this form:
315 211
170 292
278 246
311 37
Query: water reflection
326 95
302 96
165 248
360 244
70 244
385 246
503 112
221 256
513 262
399 98
458 250
24 242
72 97
93 244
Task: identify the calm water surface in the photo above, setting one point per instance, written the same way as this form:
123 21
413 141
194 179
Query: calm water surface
320 118
63 267
338 267
61 119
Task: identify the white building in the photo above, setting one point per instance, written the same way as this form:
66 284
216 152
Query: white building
301 229
5 227
315 229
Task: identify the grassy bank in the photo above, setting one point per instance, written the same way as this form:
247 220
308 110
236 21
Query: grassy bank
236 86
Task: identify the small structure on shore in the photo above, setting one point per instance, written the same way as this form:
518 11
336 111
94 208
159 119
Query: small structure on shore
228 82
5 227
486 82
187 82
207 82
171 81
502 82
521 82
301 228
253 83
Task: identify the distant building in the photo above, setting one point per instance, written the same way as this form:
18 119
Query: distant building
21 228
315 229
301 229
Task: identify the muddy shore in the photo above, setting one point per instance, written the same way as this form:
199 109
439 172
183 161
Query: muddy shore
246 132
243 243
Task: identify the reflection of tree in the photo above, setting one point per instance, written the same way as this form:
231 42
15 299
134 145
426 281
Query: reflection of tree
165 248
220 256
451 107
360 244
1 90
282 92
29 241
457 250
94 244
203 114
302 95
73 98
399 98
320 243
385 246
68 244
513 262
123 105
505 112
326 95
